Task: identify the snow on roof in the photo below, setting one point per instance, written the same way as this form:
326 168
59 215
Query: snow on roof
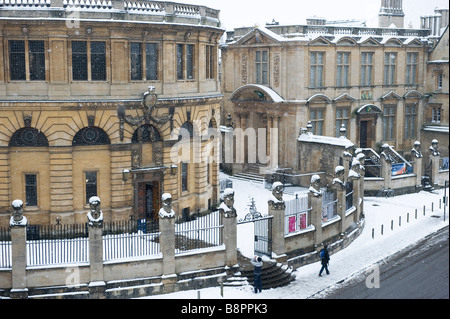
338 141
440 129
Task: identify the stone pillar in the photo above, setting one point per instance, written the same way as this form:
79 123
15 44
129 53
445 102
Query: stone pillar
167 243
315 202
356 197
340 188
230 240
416 153
340 194
418 170
386 171
18 224
97 285
435 156
229 226
277 210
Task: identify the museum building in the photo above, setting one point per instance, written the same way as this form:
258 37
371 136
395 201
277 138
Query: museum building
95 99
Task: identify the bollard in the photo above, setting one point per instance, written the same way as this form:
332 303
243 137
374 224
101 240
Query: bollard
198 294
221 289
415 214
392 224
400 220
423 210
381 229
373 233
432 206
439 203
407 217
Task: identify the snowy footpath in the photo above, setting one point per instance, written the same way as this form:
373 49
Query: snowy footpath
370 249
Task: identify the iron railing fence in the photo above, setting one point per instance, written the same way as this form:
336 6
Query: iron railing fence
296 214
348 195
329 205
202 232
5 248
130 239
57 244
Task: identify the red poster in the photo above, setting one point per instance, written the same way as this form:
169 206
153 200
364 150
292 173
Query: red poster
291 224
302 221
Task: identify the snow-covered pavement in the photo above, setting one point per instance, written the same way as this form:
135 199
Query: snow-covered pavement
359 257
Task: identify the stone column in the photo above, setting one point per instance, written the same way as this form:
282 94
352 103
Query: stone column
435 156
18 224
230 240
167 243
97 285
386 171
315 202
416 153
229 226
277 210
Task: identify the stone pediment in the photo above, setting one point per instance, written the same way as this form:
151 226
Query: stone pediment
370 42
257 36
320 40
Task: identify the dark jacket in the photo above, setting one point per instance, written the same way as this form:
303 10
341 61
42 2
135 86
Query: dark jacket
325 257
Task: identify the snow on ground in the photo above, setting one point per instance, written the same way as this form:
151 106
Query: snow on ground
360 256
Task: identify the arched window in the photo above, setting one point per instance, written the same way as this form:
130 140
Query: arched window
146 133
91 136
28 136
186 127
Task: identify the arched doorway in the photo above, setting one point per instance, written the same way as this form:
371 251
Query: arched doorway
366 119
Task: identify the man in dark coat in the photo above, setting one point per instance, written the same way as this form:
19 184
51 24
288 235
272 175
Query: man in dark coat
325 259
257 262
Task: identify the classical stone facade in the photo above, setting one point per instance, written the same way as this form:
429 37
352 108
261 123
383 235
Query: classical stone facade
92 101
377 82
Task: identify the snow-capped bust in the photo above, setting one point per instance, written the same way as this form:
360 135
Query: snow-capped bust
276 198
166 211
95 215
434 148
416 151
338 181
17 219
353 173
314 188
228 202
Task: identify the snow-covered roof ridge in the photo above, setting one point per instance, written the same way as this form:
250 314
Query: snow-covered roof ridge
339 141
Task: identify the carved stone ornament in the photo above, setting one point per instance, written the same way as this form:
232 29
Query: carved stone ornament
276 198
149 100
314 188
227 207
95 215
17 218
416 151
166 211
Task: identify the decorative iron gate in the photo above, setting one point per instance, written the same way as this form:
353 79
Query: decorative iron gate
263 235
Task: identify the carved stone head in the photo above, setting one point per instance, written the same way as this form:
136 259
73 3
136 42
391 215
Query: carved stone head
17 216
277 190
228 197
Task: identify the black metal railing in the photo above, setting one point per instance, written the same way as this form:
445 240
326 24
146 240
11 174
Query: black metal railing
5 248
200 232
130 239
57 244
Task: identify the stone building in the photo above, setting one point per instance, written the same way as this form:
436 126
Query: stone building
376 81
93 99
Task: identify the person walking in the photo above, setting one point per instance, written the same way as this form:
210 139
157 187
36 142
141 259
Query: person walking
325 259
257 263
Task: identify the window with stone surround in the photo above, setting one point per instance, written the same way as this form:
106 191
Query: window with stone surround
27 60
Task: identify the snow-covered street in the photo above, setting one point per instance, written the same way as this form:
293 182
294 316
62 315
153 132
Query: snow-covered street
371 248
